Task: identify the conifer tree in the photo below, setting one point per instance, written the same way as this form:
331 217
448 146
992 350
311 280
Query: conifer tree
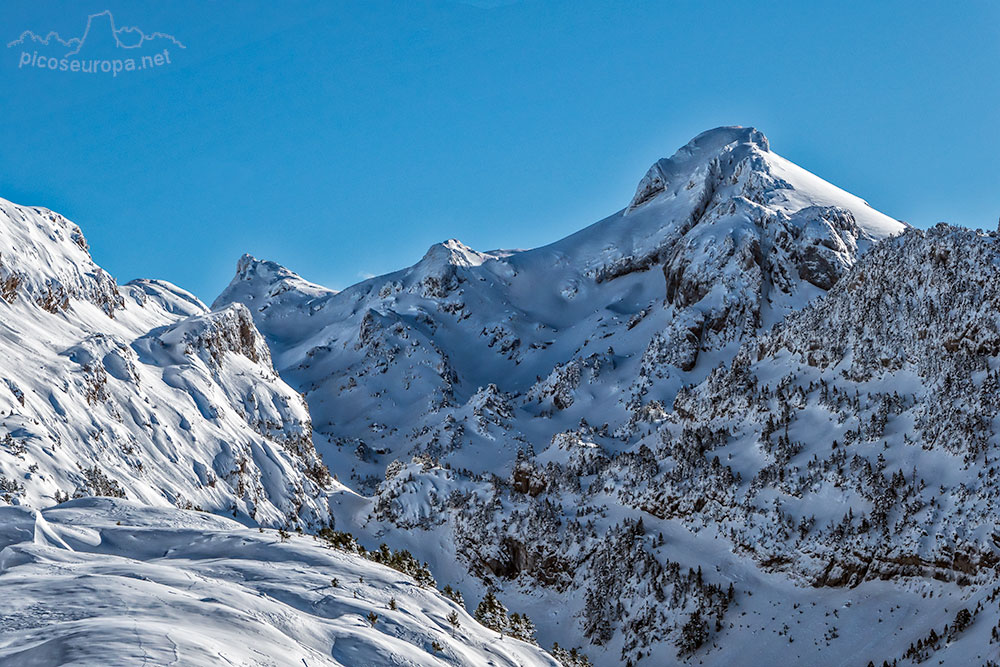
492 613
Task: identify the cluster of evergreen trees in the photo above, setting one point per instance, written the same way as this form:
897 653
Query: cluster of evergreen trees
402 560
492 614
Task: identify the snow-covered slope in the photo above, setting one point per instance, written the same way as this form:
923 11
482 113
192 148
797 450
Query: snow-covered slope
887 387
139 391
111 582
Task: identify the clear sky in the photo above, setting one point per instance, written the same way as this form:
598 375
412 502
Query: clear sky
343 138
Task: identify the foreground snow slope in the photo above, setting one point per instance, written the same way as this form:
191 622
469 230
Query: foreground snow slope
138 390
112 582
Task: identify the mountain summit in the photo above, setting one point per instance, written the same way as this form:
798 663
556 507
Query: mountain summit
728 152
667 172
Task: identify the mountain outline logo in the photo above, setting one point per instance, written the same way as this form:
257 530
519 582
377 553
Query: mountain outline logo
103 47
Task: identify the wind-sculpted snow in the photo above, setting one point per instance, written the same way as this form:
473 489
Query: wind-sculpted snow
165 402
110 582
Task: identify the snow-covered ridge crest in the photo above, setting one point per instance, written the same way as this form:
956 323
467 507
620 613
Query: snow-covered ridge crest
442 268
452 252
258 275
260 283
44 259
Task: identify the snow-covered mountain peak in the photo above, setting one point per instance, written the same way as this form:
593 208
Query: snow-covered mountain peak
713 140
452 252
729 164
259 282
438 272
251 269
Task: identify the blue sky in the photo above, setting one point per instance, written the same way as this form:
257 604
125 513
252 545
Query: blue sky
343 138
